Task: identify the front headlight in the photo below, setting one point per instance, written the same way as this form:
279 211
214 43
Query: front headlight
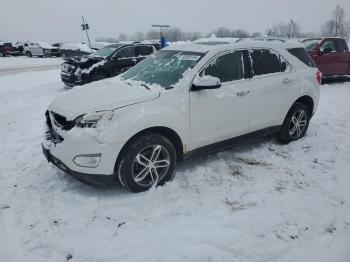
91 119
78 74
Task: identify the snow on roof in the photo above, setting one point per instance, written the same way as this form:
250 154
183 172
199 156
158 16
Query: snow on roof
244 43
99 45
215 40
76 46
190 47
44 45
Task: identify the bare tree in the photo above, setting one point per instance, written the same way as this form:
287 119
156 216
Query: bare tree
191 36
139 36
279 30
256 34
285 30
293 29
106 39
336 26
123 37
339 18
239 33
223 32
152 34
174 34
328 28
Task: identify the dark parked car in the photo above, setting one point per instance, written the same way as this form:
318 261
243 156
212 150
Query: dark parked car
74 49
331 55
8 49
106 62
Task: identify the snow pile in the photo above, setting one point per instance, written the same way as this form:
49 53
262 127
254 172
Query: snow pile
15 63
260 202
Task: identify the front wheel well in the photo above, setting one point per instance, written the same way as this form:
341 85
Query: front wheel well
164 131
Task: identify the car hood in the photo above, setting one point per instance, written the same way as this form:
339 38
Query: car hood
83 61
107 94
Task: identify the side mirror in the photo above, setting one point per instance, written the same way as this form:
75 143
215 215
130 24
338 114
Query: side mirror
206 82
283 66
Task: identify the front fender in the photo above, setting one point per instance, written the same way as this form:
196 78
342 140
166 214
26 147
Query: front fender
170 111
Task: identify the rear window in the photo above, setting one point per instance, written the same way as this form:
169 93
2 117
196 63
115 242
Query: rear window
266 62
302 55
340 45
144 50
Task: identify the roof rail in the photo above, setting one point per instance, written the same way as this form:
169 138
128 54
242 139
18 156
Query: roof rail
270 39
240 39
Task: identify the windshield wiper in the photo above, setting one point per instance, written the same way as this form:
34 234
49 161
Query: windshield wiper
145 86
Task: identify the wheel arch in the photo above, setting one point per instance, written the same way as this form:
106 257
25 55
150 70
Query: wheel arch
99 70
306 100
167 132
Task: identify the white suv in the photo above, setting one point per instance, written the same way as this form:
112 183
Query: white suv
179 102
40 49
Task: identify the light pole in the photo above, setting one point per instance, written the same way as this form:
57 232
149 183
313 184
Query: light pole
161 29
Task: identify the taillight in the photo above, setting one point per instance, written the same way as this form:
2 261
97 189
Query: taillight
319 77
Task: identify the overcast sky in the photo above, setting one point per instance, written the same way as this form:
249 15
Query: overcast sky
59 20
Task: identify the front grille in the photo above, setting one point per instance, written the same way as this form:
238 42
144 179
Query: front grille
68 68
51 134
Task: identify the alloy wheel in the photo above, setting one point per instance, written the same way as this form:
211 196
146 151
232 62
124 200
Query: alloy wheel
298 124
150 166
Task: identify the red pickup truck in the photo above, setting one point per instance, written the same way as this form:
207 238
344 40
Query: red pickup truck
330 54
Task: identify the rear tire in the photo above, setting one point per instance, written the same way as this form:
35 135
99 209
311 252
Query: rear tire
295 124
29 54
147 161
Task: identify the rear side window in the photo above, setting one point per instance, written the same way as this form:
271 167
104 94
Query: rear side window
302 55
126 52
328 46
340 46
228 67
266 62
144 50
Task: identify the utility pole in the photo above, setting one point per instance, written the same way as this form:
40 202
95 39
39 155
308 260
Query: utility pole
85 27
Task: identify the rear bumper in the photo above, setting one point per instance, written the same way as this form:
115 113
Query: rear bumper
10 53
91 179
14 53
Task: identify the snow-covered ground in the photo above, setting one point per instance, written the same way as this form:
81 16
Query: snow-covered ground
10 65
262 202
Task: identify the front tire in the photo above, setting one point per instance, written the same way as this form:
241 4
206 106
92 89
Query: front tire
295 124
29 54
147 161
98 75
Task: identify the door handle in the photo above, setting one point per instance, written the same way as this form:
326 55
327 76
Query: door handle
243 93
287 81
